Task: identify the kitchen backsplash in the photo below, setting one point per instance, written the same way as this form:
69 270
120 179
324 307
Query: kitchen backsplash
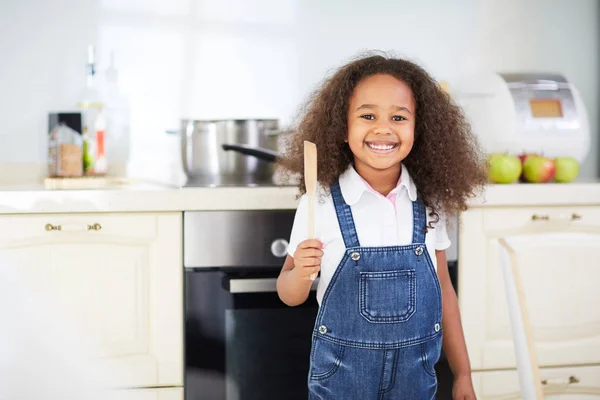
261 58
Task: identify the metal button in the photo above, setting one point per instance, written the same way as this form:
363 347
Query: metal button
355 256
419 251
322 329
437 327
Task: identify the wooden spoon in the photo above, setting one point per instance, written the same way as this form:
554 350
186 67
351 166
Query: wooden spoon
310 181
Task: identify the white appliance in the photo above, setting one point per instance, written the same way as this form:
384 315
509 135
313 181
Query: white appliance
526 113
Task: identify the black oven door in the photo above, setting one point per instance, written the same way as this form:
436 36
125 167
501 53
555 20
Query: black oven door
242 341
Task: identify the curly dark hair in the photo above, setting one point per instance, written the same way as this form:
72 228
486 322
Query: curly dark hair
445 162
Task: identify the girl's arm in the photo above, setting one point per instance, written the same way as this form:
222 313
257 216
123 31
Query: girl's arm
454 340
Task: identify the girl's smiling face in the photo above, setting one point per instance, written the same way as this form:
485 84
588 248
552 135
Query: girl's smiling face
381 124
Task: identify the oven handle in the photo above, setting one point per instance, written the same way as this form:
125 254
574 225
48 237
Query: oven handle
258 285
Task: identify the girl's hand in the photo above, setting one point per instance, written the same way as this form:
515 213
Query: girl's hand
307 258
463 389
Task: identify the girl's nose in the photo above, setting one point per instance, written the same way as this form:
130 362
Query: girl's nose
383 128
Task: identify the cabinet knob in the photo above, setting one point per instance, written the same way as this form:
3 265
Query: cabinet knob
50 227
94 227
575 217
279 247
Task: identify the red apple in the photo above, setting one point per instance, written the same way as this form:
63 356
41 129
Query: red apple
524 156
537 169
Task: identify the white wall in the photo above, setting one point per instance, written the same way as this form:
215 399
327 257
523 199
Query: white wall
260 58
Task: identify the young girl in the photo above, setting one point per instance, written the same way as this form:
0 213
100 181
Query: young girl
395 158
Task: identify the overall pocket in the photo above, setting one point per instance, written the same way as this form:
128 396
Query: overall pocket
326 358
430 354
387 297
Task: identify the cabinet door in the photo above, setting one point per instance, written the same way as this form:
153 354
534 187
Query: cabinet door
576 383
113 281
557 251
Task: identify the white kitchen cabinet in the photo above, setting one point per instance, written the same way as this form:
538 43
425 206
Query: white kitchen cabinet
147 394
572 383
113 280
558 257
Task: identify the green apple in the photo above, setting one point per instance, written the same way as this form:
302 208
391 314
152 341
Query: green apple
567 169
503 168
538 169
523 157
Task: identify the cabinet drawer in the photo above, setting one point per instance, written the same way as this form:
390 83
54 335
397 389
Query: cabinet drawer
509 218
60 226
557 383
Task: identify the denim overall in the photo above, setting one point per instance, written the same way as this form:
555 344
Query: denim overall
378 331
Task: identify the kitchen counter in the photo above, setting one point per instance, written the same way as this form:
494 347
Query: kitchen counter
551 194
157 198
145 198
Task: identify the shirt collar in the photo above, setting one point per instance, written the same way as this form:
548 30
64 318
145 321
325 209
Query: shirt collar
353 186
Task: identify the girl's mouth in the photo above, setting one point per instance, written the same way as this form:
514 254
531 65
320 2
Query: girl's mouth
381 147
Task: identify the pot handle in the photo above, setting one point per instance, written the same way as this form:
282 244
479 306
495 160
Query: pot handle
258 152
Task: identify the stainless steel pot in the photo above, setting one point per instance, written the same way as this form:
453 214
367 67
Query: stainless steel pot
229 152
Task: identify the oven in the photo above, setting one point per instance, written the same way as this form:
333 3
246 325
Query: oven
241 341
452 252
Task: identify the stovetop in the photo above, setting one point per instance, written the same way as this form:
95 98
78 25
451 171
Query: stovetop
224 181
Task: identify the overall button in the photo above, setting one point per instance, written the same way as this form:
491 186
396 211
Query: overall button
322 329
419 251
437 327
355 256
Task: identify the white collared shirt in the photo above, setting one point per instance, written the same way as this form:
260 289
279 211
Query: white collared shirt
377 221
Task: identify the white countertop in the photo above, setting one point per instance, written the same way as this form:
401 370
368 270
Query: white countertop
551 194
156 198
145 198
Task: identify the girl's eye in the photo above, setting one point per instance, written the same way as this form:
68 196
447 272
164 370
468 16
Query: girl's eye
368 116
398 118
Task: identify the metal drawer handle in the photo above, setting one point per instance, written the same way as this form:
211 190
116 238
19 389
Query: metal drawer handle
94 227
50 227
571 380
258 285
536 217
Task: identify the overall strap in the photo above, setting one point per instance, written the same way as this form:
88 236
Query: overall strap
419 221
344 216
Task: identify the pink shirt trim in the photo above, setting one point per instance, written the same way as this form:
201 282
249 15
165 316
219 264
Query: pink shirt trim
391 195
